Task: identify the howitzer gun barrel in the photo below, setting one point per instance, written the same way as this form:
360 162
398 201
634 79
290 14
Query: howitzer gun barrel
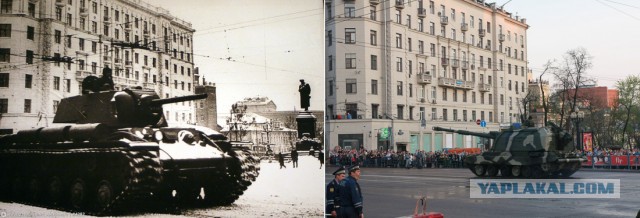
490 135
158 102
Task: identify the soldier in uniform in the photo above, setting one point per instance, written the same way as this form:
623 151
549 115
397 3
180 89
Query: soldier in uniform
351 195
333 200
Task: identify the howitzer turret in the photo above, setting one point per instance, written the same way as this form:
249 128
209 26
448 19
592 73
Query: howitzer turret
490 135
530 152
127 108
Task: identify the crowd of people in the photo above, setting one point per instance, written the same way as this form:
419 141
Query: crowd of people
389 158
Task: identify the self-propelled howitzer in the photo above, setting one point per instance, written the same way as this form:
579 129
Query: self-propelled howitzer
529 152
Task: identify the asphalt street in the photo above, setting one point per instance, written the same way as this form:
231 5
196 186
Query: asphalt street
393 192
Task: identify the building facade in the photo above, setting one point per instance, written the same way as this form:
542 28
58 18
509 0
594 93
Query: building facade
143 44
411 65
207 109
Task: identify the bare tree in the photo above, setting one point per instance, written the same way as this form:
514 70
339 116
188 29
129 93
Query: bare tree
572 75
547 67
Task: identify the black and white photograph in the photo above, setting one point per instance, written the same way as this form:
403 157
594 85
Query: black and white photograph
161 108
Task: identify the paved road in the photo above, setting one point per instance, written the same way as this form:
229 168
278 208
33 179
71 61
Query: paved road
393 192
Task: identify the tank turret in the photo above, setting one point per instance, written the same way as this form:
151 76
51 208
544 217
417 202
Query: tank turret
126 108
529 152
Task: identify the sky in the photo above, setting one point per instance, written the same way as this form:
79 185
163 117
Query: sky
256 48
607 29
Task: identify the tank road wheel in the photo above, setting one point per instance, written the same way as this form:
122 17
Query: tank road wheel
78 194
536 172
516 171
218 196
54 191
505 171
479 170
35 190
105 195
492 170
17 189
526 171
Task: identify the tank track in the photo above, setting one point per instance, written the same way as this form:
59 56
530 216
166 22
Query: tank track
241 172
139 175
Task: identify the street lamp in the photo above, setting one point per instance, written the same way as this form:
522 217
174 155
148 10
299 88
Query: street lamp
267 127
577 117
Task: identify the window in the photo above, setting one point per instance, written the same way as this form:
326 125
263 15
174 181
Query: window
5 55
409 44
330 62
455 114
68 82
69 19
398 40
68 41
350 35
331 88
350 61
94 26
434 92
374 111
80 64
29 57
490 98
5 30
32 9
444 94
421 25
374 87
399 64
431 7
444 115
432 28
30 32
421 46
59 13
4 103
432 49
329 38
28 78
373 37
352 86
501 99
399 88
56 83
349 10
410 90
374 62
372 12
94 67
94 7
409 21
400 112
57 36
4 79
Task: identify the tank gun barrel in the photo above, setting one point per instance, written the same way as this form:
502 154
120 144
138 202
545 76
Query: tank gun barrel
490 135
158 102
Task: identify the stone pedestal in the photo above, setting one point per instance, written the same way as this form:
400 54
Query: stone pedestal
306 122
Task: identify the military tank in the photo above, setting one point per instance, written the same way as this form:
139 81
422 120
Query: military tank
110 151
533 152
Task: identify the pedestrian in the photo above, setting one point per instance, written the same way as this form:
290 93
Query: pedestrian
281 160
332 193
321 158
294 158
351 195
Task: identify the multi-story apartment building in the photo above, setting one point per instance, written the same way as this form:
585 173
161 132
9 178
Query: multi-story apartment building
409 65
143 44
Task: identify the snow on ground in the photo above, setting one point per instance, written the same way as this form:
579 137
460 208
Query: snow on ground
287 192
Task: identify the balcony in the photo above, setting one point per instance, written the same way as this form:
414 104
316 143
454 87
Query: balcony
400 4
455 63
124 81
424 78
148 85
465 65
444 20
61 3
107 20
464 27
81 74
374 2
422 12
84 12
482 32
145 33
118 61
473 66
128 63
455 83
444 61
501 37
127 27
106 58
482 87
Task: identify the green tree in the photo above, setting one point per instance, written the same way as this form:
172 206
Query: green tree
629 102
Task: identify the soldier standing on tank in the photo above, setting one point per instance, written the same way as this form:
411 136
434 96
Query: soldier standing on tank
332 193
281 160
351 195
294 158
